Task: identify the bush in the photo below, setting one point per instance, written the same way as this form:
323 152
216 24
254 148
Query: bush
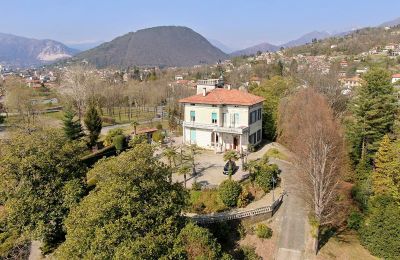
110 135
263 177
158 137
247 253
244 199
119 142
229 192
354 220
196 186
159 126
198 243
263 231
2 119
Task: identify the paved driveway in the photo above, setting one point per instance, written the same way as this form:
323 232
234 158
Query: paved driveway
292 217
210 167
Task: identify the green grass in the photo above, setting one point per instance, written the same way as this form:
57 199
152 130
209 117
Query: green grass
59 115
275 153
206 201
121 116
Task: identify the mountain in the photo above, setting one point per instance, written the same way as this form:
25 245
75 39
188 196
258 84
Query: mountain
263 47
84 46
307 38
23 52
158 46
391 23
223 47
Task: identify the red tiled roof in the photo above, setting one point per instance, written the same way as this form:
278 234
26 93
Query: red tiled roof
396 76
220 96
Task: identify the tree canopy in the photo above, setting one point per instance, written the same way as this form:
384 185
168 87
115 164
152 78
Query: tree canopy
133 212
42 178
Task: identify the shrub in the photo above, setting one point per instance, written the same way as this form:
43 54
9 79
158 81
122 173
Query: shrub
159 126
110 135
244 199
2 119
158 136
263 231
196 186
198 243
137 139
119 142
264 175
354 220
229 192
247 253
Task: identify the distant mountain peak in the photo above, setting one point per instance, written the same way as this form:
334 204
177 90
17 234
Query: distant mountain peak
23 52
391 23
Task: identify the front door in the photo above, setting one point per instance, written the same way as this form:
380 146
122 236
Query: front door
235 142
192 136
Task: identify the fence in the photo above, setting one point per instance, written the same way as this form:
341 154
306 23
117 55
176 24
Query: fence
226 216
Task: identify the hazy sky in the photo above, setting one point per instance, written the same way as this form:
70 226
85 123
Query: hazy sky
236 23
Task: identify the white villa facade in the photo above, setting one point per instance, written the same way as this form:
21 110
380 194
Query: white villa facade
222 119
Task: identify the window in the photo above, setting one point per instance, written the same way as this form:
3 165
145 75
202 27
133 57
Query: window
192 116
259 113
258 135
236 119
214 118
224 120
252 138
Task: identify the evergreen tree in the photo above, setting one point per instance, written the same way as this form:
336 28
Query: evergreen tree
385 177
93 123
374 110
72 128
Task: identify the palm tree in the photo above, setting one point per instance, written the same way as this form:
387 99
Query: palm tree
170 154
194 150
252 167
184 170
231 156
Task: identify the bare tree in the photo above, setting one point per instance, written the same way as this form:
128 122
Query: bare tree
80 84
308 126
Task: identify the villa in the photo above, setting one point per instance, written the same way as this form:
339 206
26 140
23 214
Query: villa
221 119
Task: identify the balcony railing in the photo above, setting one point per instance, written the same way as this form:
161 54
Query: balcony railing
216 128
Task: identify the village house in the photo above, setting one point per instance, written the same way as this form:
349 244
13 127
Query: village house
221 119
348 84
395 78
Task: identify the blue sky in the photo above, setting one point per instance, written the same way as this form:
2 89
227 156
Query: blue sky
236 23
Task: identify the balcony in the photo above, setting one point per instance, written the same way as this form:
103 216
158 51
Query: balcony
216 128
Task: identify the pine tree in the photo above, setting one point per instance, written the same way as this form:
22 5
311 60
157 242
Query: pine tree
93 123
72 128
374 110
382 182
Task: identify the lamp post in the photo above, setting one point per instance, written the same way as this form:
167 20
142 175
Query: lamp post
273 188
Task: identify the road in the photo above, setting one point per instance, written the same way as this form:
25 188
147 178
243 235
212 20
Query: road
292 217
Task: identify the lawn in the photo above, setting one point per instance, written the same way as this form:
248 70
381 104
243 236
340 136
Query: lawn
275 153
121 116
344 246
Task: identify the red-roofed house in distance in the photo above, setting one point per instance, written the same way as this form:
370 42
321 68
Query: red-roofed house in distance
220 119
395 78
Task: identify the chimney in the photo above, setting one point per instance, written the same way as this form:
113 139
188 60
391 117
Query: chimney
204 92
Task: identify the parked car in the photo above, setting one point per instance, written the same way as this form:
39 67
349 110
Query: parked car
234 168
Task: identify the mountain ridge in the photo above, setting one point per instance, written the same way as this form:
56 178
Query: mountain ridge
22 51
174 46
